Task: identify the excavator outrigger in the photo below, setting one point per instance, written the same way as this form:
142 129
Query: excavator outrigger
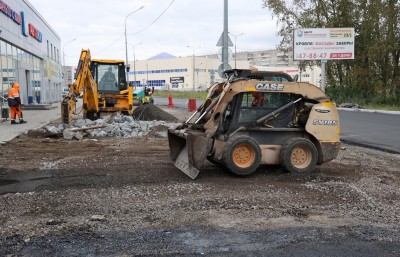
103 86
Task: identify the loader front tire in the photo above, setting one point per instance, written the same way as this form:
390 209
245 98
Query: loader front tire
242 155
299 155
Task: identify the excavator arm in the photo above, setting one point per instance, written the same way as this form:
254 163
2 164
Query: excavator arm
84 84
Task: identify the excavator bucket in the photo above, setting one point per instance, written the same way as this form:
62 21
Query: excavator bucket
188 151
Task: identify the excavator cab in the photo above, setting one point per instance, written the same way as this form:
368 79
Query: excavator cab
109 76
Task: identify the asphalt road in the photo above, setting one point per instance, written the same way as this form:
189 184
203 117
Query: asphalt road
372 129
365 128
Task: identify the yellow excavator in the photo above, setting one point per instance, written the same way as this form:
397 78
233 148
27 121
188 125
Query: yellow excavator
103 87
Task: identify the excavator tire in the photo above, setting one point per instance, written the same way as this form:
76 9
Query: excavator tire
299 155
242 155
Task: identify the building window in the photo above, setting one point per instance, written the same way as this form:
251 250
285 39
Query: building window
156 83
159 71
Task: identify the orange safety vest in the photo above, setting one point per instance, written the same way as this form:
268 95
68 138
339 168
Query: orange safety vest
14 91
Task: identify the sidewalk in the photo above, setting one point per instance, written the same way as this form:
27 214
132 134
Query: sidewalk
368 110
34 118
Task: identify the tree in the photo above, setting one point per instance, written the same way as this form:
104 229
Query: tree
375 69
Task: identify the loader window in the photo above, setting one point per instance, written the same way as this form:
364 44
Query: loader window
255 106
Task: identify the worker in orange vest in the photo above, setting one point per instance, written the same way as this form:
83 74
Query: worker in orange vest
14 101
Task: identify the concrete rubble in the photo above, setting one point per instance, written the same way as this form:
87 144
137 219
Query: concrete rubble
118 125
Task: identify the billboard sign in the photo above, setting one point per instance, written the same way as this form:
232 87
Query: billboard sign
323 44
176 80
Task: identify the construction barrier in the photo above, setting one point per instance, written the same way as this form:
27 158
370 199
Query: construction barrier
170 103
192 105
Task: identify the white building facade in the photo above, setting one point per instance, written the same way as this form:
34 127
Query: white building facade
29 53
191 73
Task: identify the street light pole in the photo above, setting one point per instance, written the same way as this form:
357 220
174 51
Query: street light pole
126 41
64 49
134 62
147 74
194 63
235 36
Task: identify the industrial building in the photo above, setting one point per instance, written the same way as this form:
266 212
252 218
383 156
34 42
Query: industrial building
29 53
167 72
193 73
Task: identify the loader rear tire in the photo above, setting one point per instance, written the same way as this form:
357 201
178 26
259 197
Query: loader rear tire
299 155
242 155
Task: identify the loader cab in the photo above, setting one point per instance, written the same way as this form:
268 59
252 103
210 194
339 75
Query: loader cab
251 109
247 107
110 76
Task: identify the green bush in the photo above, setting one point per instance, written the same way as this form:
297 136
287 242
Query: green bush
363 97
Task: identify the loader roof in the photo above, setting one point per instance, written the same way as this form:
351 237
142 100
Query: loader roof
257 75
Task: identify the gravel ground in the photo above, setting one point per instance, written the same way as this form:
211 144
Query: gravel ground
117 196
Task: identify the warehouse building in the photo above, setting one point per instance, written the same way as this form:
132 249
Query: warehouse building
29 53
167 72
193 73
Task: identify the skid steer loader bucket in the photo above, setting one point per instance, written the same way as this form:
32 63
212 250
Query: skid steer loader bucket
188 151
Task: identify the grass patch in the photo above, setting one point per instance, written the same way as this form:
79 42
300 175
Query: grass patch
382 107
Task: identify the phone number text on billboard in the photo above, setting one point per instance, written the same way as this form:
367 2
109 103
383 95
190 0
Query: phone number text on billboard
323 44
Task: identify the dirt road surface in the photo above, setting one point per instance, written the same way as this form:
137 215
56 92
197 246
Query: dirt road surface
122 197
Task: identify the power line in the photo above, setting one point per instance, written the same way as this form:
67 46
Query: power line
115 41
154 20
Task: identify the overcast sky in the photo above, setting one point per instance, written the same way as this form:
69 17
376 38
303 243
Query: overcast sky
99 25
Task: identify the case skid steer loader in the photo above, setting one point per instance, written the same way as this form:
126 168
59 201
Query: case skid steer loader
257 118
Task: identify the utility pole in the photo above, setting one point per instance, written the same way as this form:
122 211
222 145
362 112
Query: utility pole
225 46
225 42
134 63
